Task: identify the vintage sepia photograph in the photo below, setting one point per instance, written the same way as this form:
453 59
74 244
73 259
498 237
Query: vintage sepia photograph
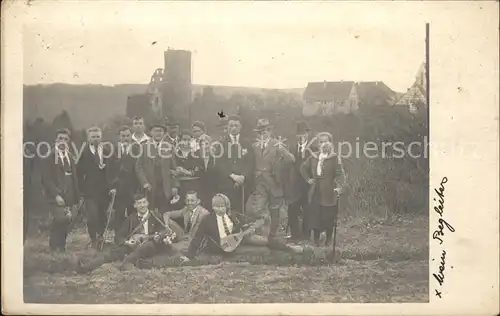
222 154
151 160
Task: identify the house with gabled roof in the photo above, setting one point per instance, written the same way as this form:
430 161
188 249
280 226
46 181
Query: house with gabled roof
374 93
415 97
327 97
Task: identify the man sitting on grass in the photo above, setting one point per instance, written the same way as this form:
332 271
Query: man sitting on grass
142 235
213 228
187 219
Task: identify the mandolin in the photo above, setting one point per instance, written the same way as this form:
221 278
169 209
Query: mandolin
231 242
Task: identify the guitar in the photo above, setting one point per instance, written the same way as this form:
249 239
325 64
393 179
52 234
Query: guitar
231 242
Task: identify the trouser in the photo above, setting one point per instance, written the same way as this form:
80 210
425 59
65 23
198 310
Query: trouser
126 254
158 200
61 217
266 206
147 250
294 210
124 207
96 216
235 195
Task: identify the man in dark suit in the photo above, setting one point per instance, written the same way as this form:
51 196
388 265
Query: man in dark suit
59 179
270 155
91 170
155 169
142 235
208 177
186 221
296 187
171 134
213 227
122 178
233 165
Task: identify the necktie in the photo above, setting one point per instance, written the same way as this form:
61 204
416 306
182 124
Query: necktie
224 223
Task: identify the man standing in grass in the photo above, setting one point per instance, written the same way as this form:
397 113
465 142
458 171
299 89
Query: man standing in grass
60 182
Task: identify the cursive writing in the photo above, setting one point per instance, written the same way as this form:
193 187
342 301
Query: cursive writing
438 234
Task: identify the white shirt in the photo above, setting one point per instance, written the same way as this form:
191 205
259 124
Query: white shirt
63 154
144 222
99 152
140 141
235 139
125 148
319 168
220 225
99 149
265 143
302 147
191 218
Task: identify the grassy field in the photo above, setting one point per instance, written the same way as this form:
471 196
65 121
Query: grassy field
376 261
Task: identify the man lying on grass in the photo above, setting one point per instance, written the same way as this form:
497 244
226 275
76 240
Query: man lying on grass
220 233
142 235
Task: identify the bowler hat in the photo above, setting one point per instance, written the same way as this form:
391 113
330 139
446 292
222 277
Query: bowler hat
302 127
234 117
223 122
262 124
170 122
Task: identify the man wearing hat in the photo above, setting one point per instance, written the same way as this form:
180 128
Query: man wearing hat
296 187
269 157
172 132
155 169
234 166
222 125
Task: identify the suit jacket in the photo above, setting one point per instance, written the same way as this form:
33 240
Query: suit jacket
53 174
131 222
185 214
92 179
208 179
234 159
295 186
208 235
145 167
269 165
121 172
322 189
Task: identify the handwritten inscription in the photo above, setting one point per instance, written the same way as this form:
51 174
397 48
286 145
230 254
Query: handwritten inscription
439 234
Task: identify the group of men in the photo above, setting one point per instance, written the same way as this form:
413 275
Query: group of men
179 177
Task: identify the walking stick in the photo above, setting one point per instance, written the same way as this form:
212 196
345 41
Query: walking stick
335 225
109 212
243 199
77 215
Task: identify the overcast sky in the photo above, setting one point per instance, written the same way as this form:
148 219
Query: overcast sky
273 52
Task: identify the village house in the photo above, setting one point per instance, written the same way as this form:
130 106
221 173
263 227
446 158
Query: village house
415 97
327 98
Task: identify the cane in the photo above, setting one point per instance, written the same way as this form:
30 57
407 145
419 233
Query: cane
243 199
77 215
335 225
110 212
